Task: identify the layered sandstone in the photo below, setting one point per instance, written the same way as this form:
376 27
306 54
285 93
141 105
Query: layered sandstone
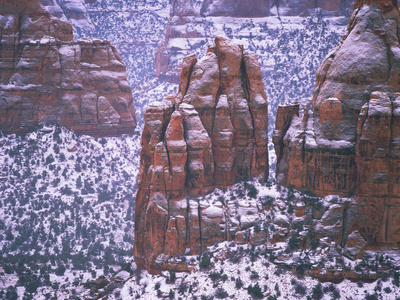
213 133
348 142
46 77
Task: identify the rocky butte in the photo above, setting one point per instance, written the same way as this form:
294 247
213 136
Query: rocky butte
46 77
348 143
213 133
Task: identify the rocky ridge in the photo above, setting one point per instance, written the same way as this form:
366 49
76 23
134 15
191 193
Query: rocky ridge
348 142
46 77
211 134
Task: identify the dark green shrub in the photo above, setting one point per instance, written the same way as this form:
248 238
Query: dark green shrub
255 291
317 292
205 261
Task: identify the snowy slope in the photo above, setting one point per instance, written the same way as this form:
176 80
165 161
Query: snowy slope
65 200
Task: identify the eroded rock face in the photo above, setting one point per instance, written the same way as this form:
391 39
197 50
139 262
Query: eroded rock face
305 7
348 142
46 77
236 8
213 133
183 25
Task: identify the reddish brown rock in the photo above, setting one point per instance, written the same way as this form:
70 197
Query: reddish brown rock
223 144
348 142
212 134
46 77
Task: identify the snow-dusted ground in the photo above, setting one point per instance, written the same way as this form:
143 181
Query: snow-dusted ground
66 218
65 200
274 282
235 269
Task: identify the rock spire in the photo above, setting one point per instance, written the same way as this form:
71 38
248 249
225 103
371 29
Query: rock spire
213 133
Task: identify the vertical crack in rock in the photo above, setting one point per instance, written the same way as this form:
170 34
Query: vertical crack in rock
215 135
352 146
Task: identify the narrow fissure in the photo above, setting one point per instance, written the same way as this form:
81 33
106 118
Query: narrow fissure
200 232
97 110
187 221
344 225
387 225
246 87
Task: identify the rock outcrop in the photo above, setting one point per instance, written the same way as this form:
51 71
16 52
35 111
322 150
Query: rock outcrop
306 7
73 10
348 143
213 133
46 77
184 24
236 8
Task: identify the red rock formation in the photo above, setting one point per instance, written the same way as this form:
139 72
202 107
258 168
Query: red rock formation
213 133
46 77
348 143
236 8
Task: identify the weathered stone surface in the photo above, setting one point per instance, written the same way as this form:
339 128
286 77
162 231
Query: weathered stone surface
348 143
355 244
303 8
74 10
182 8
212 134
183 24
236 8
46 77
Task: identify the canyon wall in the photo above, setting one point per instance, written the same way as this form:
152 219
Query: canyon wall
46 77
348 142
213 133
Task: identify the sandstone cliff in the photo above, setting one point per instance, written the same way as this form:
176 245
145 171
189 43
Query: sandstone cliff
348 142
46 77
213 133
